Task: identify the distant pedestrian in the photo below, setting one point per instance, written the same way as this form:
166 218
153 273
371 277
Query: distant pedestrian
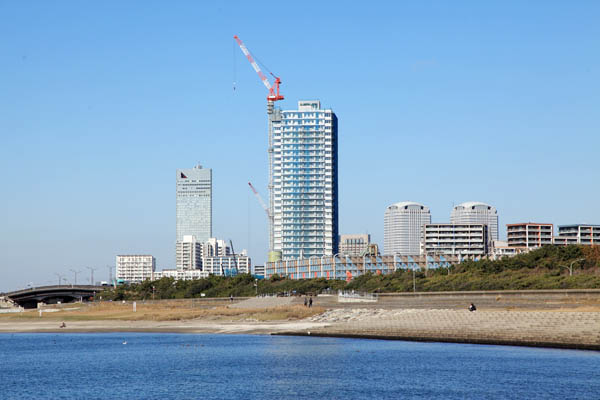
231 298
310 302
305 301
472 307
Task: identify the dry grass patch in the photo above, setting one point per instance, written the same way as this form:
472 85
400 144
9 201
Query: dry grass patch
168 311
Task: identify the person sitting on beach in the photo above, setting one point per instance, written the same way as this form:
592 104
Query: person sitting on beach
472 307
63 325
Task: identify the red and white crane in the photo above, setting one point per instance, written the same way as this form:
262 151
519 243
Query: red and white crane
273 93
274 116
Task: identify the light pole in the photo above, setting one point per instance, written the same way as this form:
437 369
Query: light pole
414 280
75 272
92 275
570 267
60 277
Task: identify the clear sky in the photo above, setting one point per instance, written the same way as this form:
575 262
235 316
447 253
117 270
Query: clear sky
438 102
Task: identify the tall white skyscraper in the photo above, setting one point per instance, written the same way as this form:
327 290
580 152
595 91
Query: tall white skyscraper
473 212
194 203
402 227
303 171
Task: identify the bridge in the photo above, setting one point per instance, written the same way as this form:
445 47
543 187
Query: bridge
30 297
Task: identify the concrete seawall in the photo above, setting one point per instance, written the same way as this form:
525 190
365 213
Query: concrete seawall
556 318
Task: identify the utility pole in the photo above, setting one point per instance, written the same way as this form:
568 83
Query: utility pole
109 273
92 274
59 278
75 272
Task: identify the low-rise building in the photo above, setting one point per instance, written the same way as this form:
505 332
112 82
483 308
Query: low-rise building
578 234
227 265
180 275
135 268
500 249
529 234
258 271
353 245
349 267
463 240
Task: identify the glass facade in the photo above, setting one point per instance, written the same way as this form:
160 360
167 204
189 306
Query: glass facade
304 168
194 203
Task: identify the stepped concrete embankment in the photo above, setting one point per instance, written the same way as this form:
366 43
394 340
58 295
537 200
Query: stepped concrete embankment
554 318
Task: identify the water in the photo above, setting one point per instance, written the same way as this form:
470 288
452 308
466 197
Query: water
186 366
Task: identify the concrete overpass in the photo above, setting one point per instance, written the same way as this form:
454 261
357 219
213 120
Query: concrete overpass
28 298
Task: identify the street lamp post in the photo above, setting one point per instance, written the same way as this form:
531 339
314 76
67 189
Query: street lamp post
92 274
60 277
570 267
75 272
414 280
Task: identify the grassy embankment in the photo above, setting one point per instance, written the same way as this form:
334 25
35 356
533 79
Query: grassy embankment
544 268
163 311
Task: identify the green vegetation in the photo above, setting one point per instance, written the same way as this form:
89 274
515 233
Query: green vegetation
545 268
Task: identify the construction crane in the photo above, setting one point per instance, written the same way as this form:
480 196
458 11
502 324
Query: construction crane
231 273
274 115
267 211
273 92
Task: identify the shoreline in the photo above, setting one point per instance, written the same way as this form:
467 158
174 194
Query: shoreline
577 330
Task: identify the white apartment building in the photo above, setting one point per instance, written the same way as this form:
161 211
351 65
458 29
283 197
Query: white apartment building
473 212
188 254
180 275
529 234
578 234
227 265
463 240
303 174
402 227
135 268
354 245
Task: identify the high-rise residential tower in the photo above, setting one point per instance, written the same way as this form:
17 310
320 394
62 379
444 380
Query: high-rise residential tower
304 186
402 227
473 212
194 203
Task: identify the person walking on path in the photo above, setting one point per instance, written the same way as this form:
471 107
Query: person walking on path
310 302
305 301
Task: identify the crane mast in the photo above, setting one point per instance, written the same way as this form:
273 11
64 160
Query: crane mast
267 211
273 116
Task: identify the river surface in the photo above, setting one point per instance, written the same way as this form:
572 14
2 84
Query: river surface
189 366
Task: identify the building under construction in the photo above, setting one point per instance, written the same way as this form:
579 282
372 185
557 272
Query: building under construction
303 176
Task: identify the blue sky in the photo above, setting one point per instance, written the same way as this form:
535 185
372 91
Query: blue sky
438 102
